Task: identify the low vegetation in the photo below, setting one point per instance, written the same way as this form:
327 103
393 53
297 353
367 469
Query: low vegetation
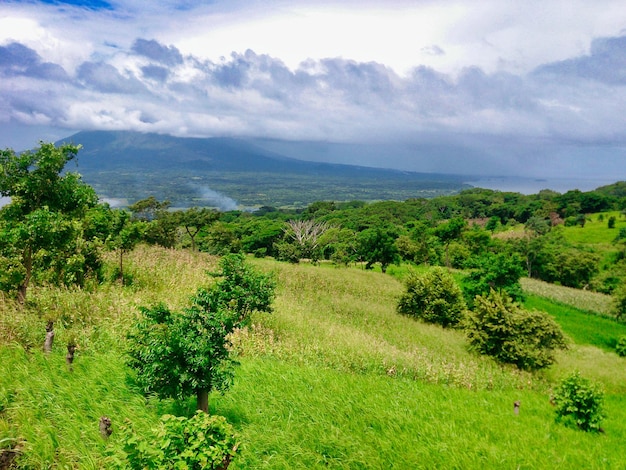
109 325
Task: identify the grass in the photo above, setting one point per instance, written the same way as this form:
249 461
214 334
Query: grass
593 302
583 328
334 378
596 231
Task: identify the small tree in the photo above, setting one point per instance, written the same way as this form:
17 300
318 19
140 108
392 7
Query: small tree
180 354
377 245
618 305
579 402
433 297
499 328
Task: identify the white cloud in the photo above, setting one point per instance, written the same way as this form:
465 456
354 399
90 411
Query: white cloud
468 75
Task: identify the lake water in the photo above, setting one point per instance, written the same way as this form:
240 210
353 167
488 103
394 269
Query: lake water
534 185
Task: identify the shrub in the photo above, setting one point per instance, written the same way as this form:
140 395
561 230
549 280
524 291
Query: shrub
618 306
433 297
620 347
579 402
500 328
200 442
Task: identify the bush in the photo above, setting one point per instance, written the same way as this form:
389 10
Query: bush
499 328
199 442
433 297
620 347
579 402
618 307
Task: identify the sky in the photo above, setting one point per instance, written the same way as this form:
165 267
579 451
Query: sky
482 87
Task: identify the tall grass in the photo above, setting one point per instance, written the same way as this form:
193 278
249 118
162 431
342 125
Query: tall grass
594 302
334 378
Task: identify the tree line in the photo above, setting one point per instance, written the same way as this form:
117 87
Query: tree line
54 230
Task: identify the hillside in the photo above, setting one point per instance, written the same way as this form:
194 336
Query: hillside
129 166
333 378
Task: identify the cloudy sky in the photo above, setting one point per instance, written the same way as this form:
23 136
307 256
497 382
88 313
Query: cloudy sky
533 88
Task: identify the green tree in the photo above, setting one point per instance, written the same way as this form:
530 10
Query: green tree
377 245
180 354
500 328
618 304
43 217
195 219
148 209
449 231
433 297
125 234
500 272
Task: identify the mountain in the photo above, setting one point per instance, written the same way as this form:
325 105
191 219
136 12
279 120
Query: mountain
128 166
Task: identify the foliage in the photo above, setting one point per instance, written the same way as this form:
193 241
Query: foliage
618 305
500 328
196 443
433 297
42 227
377 245
579 402
500 272
180 354
318 383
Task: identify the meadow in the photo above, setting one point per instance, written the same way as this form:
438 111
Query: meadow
333 378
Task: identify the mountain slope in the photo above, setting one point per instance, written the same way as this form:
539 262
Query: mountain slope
131 165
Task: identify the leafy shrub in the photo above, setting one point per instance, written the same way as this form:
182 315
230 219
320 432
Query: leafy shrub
200 442
500 328
620 347
433 297
618 307
501 272
579 402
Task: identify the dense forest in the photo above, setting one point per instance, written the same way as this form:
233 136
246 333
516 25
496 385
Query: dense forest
330 292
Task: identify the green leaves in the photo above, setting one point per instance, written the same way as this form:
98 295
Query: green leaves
579 402
200 442
177 354
499 328
433 297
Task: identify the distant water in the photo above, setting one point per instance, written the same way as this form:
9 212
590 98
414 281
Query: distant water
534 185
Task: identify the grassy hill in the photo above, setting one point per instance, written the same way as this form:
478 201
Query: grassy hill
334 378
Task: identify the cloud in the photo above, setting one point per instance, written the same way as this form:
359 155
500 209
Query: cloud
158 52
105 78
605 63
489 88
17 59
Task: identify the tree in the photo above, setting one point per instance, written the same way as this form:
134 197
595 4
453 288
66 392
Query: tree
500 272
180 354
500 328
434 297
44 214
377 245
125 234
306 235
194 220
449 231
148 209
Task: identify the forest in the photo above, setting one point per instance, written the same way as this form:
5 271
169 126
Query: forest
328 336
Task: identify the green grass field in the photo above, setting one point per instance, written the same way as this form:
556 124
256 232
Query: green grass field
333 378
